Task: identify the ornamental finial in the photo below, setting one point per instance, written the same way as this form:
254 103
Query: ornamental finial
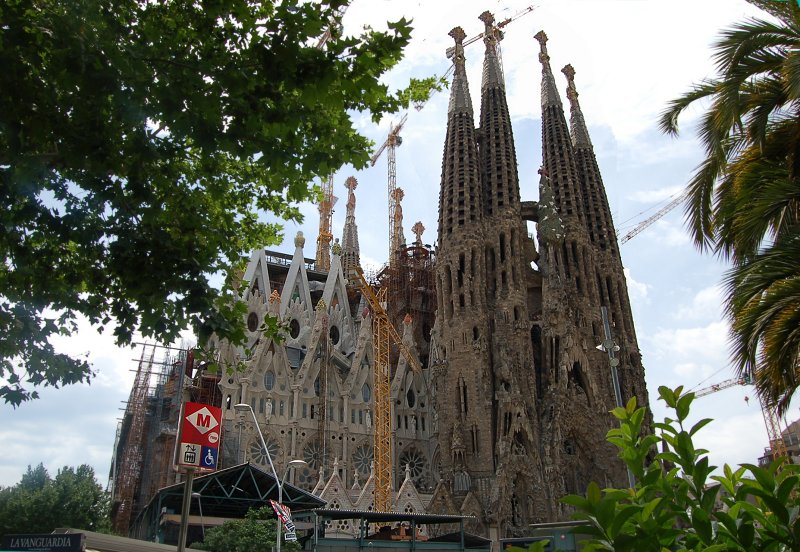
542 38
458 35
572 92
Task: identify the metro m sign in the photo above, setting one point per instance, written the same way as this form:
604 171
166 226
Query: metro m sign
198 442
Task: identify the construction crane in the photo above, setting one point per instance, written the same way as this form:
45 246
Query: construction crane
771 419
657 215
451 51
323 260
392 141
382 333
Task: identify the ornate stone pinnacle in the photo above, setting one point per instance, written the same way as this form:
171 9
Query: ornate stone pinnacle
487 18
351 183
458 34
542 38
569 71
321 306
299 240
572 92
418 229
398 194
274 296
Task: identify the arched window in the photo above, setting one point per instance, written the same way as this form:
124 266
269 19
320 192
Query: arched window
252 322
366 393
269 380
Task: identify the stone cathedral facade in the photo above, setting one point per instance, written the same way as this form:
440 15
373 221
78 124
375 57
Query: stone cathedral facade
522 393
511 410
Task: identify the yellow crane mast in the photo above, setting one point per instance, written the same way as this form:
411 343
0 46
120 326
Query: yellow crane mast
771 419
382 333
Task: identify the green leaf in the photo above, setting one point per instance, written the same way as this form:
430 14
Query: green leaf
699 425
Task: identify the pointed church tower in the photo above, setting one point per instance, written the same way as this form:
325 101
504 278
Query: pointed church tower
463 390
513 400
558 159
351 256
579 275
612 289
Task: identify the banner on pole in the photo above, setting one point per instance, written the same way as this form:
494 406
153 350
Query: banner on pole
285 516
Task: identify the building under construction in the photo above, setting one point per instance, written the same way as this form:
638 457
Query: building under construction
486 383
145 444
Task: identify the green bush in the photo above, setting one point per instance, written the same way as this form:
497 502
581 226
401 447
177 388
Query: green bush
255 533
677 504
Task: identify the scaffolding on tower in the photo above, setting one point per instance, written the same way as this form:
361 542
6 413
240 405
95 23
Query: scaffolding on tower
143 452
327 201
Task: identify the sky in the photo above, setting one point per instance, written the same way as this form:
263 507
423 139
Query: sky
631 57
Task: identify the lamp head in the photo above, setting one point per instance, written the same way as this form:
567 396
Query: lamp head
242 407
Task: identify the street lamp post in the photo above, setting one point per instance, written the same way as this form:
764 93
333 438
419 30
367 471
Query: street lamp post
199 497
242 408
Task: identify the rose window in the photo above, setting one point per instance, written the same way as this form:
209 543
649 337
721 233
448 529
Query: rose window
259 455
362 459
417 465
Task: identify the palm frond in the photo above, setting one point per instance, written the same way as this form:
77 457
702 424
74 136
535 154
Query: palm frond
763 297
668 120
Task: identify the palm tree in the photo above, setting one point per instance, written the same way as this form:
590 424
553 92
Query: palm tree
744 199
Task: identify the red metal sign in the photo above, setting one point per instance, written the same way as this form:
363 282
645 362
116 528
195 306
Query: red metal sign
198 442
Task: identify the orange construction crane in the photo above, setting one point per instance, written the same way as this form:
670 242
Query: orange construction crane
323 261
771 418
382 333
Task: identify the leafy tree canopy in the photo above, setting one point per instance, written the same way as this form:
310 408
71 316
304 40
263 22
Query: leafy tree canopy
141 143
251 534
39 503
677 504
744 199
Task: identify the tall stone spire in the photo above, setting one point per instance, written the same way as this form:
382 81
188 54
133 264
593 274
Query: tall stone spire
351 256
399 238
597 212
559 162
460 194
498 155
460 99
610 282
492 70
580 135
463 327
549 89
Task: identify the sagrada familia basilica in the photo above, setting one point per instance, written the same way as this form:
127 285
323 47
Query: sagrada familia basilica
510 408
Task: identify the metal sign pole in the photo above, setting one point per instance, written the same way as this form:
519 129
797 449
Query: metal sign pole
187 500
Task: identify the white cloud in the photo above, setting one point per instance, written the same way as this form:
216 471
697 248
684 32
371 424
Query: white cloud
657 195
690 356
706 303
636 290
